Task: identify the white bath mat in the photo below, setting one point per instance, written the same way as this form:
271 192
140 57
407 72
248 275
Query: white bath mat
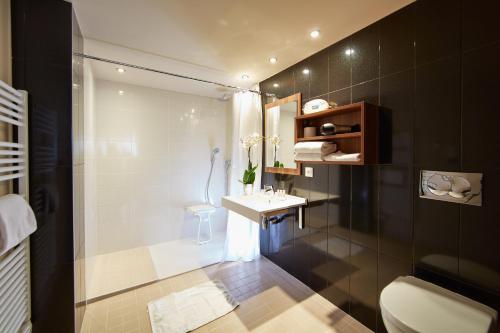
189 309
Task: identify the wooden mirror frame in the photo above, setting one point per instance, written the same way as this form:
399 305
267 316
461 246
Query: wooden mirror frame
292 98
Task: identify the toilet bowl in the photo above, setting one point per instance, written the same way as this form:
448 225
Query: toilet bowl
410 305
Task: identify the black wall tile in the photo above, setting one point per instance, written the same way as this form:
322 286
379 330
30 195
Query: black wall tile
318 67
363 285
281 239
364 206
480 139
437 29
397 96
337 272
436 235
301 80
318 225
479 237
396 215
318 247
389 269
42 51
264 242
301 253
368 92
284 80
340 65
341 97
480 23
339 202
437 115
365 56
397 37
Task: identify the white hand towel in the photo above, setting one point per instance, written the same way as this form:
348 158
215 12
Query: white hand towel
312 147
340 156
308 157
17 221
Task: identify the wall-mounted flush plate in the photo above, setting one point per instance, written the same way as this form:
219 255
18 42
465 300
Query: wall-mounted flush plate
308 171
458 187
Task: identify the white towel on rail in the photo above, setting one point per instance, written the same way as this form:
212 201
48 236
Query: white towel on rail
17 221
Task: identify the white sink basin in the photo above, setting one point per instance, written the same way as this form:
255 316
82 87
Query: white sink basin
257 205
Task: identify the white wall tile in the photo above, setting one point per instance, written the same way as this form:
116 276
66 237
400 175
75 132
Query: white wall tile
152 157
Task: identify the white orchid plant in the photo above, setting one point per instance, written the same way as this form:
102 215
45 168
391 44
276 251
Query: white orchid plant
275 141
248 143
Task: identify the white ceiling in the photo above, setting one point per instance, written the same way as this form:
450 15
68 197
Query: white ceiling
217 40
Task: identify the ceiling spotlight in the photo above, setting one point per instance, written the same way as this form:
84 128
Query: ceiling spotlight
120 70
349 51
314 34
121 92
273 60
276 85
245 77
305 71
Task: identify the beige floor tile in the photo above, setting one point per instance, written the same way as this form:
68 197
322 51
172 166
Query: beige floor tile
271 300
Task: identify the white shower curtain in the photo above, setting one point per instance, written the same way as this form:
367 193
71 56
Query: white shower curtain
242 236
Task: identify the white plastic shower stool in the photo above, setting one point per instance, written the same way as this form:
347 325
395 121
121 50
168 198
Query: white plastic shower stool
203 212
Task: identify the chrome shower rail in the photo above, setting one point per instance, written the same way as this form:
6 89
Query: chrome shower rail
119 63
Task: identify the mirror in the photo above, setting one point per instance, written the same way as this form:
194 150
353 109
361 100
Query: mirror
280 133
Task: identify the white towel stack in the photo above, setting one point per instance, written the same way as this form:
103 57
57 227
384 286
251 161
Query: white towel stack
17 221
316 151
313 150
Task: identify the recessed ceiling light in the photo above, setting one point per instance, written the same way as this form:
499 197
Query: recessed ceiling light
349 51
120 70
314 34
245 77
121 92
305 71
276 85
273 60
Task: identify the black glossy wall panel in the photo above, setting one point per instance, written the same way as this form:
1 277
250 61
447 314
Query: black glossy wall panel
397 35
365 54
42 45
435 78
340 65
437 33
437 117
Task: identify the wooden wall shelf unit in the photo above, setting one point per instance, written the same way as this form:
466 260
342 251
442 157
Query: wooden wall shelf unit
365 142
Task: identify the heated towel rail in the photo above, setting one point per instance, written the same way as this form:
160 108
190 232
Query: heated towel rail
15 301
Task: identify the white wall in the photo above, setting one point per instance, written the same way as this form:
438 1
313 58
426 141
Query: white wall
152 160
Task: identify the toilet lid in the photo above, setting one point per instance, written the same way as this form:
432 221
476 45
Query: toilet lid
417 305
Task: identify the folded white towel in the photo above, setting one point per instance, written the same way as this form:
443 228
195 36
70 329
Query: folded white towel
308 157
312 147
340 156
17 221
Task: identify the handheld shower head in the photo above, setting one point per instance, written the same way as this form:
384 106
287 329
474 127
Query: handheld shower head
214 152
